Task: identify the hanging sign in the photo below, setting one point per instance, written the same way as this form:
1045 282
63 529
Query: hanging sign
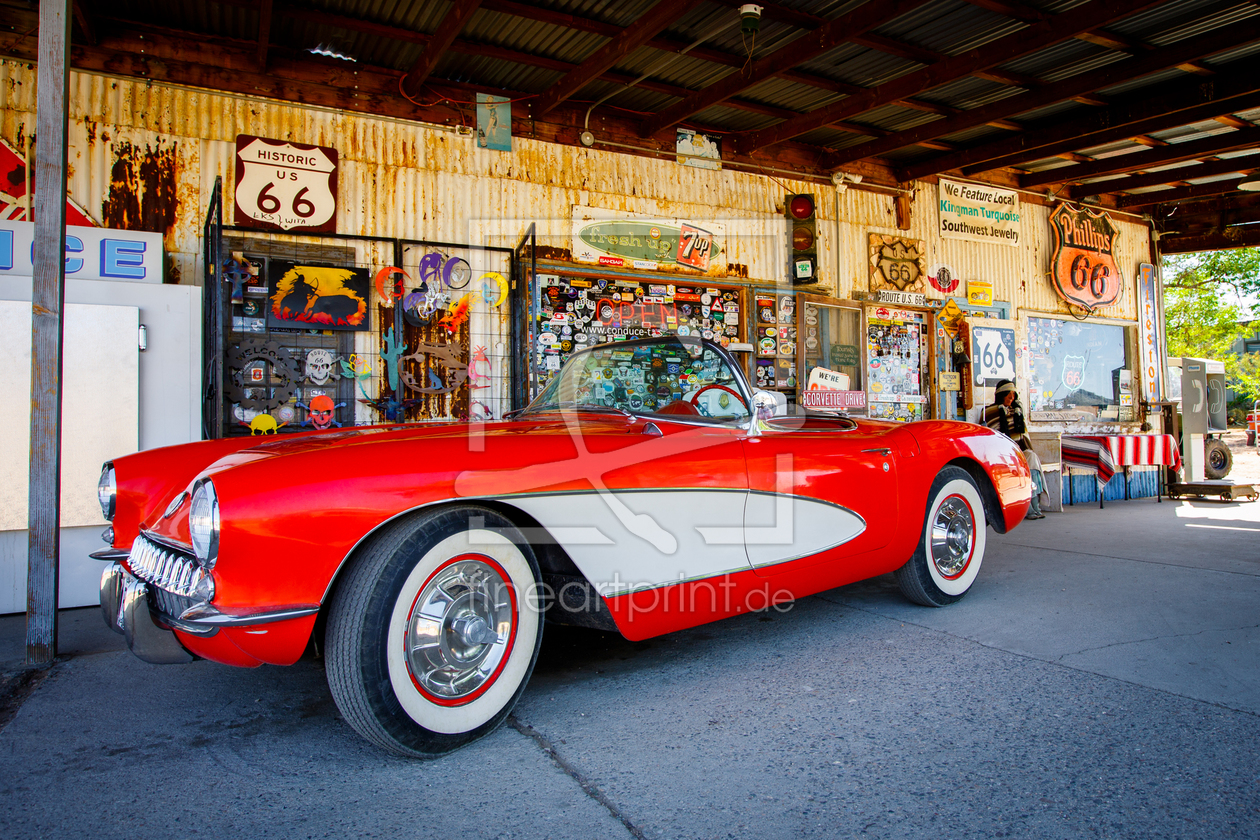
993 350
829 389
1148 325
980 293
901 298
979 213
285 186
1083 263
943 279
609 238
896 263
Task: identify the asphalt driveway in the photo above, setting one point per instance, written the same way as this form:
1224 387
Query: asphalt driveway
1102 679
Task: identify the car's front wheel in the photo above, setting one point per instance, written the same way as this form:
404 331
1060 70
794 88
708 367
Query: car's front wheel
951 547
434 631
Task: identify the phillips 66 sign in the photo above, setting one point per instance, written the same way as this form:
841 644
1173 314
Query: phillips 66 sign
285 186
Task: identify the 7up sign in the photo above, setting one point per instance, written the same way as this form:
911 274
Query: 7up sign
285 186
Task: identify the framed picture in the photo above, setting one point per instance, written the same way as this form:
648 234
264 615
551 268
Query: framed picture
318 297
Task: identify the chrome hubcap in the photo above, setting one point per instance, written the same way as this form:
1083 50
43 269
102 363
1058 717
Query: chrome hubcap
460 628
953 536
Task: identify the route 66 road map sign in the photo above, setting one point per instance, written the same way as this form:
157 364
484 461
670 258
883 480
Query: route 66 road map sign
285 186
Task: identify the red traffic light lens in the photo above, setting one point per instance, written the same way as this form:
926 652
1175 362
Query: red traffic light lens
802 239
801 206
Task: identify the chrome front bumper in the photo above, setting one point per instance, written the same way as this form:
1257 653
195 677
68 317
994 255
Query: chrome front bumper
125 606
129 605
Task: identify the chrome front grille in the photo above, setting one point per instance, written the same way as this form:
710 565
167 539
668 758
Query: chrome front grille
173 575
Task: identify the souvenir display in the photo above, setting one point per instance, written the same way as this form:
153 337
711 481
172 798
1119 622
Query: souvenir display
320 366
319 413
318 296
260 375
896 354
575 313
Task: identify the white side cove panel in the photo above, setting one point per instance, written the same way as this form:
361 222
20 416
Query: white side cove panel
626 541
779 527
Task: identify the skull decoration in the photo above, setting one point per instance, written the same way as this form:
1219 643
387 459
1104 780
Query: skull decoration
319 414
319 366
263 424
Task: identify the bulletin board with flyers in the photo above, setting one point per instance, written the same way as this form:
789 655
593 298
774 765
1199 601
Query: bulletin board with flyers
898 363
774 341
571 312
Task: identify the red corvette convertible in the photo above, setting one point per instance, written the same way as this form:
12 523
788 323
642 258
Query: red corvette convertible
647 489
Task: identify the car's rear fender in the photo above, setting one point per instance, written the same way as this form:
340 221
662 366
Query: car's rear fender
992 505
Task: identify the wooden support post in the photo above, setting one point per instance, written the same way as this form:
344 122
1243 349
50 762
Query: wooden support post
47 305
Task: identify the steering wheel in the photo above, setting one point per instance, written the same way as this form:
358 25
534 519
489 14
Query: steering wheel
696 396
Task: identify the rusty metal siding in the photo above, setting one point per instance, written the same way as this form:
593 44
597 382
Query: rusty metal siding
417 181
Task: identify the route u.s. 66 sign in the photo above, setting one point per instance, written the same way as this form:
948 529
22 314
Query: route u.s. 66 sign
285 186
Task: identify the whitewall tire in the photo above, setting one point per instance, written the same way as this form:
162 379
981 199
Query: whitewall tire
435 630
951 545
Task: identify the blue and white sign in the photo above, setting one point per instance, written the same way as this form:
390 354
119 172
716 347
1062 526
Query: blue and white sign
993 349
91 253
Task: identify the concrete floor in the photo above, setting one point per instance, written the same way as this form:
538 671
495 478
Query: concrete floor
1101 679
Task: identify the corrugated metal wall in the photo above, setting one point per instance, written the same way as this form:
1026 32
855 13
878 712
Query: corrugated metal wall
135 144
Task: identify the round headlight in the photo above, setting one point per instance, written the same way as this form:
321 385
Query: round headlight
203 523
107 491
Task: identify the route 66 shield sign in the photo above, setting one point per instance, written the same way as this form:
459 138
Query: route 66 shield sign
285 186
1073 372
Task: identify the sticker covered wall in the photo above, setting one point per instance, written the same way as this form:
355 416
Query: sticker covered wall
572 313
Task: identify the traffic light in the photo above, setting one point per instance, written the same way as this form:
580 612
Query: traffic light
802 238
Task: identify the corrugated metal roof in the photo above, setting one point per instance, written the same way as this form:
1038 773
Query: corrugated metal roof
527 47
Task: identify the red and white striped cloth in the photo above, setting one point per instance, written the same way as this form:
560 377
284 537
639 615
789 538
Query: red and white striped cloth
1142 450
1103 453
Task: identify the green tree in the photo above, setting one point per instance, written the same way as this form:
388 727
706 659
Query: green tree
1237 269
1198 322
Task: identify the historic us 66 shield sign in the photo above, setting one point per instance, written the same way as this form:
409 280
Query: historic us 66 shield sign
285 186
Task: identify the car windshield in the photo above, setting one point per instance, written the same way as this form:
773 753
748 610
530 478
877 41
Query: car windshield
677 377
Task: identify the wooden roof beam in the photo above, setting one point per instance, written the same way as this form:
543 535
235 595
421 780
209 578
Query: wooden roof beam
1241 237
1038 36
1171 106
1146 159
1012 9
1168 176
1220 40
631 38
83 17
264 32
1181 193
452 24
824 39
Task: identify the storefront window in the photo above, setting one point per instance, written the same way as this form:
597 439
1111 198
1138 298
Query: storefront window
897 357
831 340
1081 366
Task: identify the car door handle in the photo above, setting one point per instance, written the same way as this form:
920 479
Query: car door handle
882 450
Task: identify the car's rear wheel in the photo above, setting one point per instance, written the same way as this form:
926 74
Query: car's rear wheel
434 631
951 547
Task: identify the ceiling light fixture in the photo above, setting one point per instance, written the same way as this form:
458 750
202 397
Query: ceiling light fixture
331 53
1252 184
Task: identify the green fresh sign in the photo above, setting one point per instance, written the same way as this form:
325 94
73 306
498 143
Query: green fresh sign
633 240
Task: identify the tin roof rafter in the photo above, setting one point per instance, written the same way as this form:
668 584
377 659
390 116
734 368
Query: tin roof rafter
1123 102
452 23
